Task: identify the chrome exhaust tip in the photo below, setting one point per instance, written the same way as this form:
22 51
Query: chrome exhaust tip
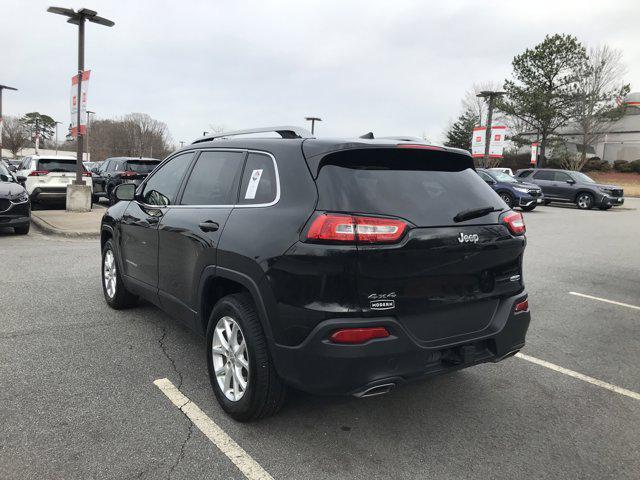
375 390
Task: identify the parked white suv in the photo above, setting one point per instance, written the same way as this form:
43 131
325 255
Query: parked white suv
47 177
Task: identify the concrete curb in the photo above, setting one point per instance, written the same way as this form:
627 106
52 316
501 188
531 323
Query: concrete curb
49 229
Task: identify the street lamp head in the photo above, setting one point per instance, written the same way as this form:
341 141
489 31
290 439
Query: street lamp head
6 87
74 17
316 119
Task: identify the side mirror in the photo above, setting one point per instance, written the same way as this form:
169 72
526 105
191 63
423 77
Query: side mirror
490 182
94 170
21 179
570 182
125 191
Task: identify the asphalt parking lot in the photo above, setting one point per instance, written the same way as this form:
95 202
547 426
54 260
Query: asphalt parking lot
78 398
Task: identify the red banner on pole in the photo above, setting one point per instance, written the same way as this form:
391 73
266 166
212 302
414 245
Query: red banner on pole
83 103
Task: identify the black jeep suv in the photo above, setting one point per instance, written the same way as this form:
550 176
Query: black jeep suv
332 266
568 186
114 171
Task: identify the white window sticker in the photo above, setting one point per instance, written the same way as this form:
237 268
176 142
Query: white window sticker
254 181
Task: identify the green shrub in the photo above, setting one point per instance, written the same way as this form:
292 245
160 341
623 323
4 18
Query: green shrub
596 165
619 165
625 167
635 165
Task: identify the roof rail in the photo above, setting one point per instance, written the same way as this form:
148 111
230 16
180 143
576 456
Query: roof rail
284 132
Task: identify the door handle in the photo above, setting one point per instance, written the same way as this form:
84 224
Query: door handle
209 226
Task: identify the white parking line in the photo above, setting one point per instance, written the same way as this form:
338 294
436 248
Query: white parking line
605 300
579 376
247 465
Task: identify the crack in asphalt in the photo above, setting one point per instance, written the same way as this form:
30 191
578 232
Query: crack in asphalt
182 447
163 347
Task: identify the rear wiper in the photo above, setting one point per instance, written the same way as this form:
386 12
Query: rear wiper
474 213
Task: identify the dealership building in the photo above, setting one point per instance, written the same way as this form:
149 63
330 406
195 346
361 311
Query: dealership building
620 140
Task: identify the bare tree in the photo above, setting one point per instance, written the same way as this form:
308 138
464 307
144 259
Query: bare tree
600 84
15 136
134 135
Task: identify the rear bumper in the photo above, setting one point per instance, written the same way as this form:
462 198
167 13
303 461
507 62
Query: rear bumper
321 367
40 194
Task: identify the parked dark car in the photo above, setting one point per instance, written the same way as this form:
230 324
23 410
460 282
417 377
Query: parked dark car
333 266
114 171
15 208
514 192
568 186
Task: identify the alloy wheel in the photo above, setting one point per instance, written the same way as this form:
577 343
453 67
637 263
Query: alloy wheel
109 273
507 199
230 358
584 201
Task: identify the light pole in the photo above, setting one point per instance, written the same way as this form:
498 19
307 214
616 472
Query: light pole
89 113
57 123
489 96
204 134
313 121
3 87
79 18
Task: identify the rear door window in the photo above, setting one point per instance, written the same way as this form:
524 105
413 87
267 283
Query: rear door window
416 186
259 181
214 179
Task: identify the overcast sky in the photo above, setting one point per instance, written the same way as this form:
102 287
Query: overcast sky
391 67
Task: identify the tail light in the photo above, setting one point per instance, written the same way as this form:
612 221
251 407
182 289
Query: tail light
514 222
128 174
522 306
355 229
358 335
39 173
86 174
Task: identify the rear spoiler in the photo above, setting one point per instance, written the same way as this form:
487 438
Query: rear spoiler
403 156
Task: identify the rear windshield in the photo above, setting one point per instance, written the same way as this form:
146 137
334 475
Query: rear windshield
416 189
57 165
141 166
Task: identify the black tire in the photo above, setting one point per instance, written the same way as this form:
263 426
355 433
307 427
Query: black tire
605 207
23 230
547 202
584 201
508 199
121 298
265 393
95 199
529 207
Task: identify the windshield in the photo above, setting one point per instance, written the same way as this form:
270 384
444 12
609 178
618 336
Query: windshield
503 177
5 175
581 177
141 166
